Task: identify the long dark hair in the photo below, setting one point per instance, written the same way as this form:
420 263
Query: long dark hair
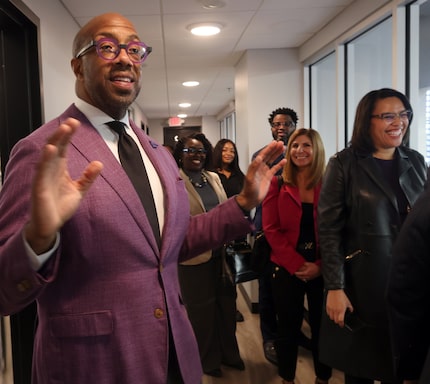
361 139
180 145
217 157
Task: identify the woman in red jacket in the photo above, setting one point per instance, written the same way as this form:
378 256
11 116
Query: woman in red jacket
289 222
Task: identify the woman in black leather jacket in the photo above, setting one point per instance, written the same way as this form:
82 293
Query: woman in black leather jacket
367 192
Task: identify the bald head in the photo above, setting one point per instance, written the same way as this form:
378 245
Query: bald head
98 24
109 84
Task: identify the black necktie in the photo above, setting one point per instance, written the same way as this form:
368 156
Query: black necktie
132 162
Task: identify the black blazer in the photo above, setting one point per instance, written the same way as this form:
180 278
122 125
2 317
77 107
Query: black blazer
408 293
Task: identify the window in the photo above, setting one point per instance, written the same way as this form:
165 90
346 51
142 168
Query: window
368 66
419 76
323 102
227 127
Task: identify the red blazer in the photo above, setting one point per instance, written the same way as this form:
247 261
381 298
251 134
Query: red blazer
282 212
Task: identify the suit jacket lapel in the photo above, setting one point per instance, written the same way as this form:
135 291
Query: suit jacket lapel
91 145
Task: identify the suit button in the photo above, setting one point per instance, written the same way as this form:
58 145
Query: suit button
158 313
23 286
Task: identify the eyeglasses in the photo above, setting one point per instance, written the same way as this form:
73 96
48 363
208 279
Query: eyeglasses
286 124
109 49
193 151
389 117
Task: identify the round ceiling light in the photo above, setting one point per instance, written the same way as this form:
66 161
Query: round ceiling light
205 29
184 105
182 115
190 83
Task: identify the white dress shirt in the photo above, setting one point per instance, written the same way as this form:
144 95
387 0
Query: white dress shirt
99 119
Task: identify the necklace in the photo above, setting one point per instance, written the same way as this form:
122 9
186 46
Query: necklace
201 184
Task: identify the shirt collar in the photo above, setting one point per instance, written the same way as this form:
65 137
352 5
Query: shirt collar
97 117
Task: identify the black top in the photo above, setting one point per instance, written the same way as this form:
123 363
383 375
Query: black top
204 189
391 174
306 242
232 185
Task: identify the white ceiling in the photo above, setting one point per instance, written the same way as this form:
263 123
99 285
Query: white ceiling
178 56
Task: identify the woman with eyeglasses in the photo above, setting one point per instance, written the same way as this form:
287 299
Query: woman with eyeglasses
208 292
367 192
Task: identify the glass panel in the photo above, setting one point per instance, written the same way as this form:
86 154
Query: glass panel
227 127
419 76
369 66
323 102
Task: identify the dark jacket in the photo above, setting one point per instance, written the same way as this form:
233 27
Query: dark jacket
358 216
408 293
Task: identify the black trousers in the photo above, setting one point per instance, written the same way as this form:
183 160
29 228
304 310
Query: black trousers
210 300
266 306
173 373
289 293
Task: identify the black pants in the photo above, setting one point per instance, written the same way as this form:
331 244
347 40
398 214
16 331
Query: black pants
211 305
266 305
289 293
173 371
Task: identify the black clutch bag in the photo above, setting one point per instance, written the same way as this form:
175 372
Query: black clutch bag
238 258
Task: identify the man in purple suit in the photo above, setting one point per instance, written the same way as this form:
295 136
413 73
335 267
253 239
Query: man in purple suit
75 236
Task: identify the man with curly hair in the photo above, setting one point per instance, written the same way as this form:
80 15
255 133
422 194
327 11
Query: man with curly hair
283 122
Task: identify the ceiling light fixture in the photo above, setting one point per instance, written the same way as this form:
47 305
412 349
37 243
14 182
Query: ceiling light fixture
205 29
184 105
212 4
182 115
190 83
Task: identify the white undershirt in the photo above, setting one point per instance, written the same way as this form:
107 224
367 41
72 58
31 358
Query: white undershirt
99 119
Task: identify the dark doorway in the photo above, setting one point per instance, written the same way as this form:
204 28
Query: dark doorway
20 113
173 134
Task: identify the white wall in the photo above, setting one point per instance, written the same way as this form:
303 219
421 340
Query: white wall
265 79
57 31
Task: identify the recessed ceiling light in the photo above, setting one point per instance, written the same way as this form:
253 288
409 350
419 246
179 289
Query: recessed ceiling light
182 115
205 29
190 83
212 4
184 105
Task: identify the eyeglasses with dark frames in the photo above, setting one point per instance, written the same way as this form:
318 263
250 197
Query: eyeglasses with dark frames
286 124
389 117
193 151
109 49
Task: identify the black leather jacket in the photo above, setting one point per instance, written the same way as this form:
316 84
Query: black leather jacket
358 219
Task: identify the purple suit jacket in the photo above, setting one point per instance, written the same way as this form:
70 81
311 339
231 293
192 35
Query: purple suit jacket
106 296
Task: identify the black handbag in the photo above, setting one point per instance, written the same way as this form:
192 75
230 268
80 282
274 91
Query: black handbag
260 255
238 258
